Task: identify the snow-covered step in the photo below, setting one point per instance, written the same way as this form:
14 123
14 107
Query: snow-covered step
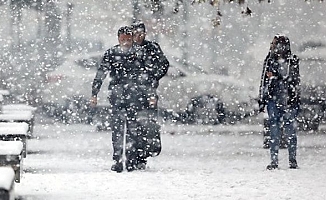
16 116
19 116
7 184
18 107
19 126
11 155
11 131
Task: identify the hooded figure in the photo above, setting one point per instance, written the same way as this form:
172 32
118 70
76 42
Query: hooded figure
280 92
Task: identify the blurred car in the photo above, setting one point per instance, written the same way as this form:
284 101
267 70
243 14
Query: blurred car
207 98
313 81
204 98
68 89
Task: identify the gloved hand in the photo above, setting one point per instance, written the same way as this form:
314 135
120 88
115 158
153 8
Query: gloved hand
261 106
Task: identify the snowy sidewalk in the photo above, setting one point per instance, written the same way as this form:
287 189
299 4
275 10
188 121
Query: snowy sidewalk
73 162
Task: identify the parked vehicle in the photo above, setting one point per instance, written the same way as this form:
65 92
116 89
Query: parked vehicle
208 99
313 92
68 88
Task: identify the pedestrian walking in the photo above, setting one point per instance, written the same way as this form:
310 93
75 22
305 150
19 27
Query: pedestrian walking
157 66
125 65
280 92
156 61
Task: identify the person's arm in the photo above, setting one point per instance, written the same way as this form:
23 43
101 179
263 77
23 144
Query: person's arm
295 73
101 74
263 88
161 63
294 82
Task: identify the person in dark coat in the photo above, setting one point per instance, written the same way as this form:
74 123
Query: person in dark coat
157 66
280 92
125 65
155 59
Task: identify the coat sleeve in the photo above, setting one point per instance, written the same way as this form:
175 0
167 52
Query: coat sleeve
263 88
161 63
294 82
101 73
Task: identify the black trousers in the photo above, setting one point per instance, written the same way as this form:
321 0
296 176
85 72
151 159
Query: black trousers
133 115
123 122
149 137
124 106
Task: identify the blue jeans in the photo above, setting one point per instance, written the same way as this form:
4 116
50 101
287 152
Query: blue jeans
280 117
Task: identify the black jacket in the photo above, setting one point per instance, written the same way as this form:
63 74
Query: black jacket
123 68
283 88
155 61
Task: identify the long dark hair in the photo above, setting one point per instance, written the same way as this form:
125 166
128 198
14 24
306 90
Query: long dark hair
283 41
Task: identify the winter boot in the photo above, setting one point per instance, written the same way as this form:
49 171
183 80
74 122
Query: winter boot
141 164
272 166
117 167
293 164
130 165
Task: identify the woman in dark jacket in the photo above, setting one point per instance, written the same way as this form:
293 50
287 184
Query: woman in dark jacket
280 92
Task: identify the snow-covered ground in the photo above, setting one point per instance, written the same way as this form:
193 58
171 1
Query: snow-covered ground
197 162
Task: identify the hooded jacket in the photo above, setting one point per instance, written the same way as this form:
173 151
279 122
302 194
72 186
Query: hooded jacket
284 86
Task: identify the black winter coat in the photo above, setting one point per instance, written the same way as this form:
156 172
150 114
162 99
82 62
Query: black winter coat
155 61
284 88
123 68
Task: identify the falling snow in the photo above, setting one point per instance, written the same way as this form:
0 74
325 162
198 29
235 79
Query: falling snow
49 54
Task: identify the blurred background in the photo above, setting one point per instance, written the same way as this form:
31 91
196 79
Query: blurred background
50 50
